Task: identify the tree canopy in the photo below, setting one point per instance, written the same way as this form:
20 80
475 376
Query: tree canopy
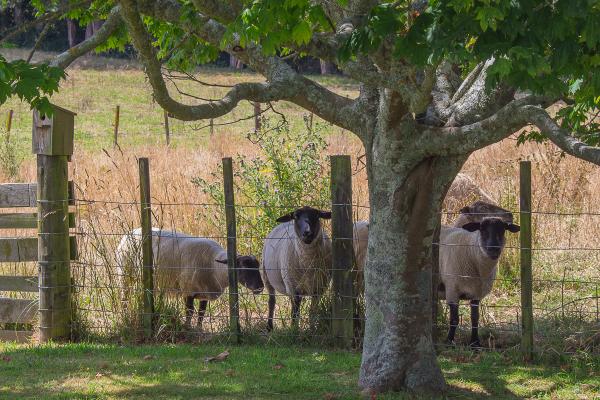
438 81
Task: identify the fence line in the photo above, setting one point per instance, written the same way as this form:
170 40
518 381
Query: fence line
98 268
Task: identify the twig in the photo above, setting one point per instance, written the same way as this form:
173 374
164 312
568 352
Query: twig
41 37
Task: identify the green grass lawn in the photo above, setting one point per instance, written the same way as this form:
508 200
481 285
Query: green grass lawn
93 371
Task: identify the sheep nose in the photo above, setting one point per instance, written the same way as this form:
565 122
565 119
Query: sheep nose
305 234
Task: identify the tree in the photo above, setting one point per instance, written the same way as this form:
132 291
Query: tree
439 80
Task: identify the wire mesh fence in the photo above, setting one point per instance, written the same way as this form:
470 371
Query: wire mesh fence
108 291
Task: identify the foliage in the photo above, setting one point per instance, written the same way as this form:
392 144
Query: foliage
31 83
545 47
275 23
288 174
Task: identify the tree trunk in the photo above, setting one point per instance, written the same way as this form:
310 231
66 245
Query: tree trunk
326 67
18 13
71 32
89 30
406 191
235 63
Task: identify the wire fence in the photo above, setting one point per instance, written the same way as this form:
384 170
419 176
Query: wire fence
566 291
108 291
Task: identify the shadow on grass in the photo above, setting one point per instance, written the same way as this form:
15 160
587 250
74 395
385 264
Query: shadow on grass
261 372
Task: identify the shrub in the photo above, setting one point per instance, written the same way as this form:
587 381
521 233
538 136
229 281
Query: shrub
290 172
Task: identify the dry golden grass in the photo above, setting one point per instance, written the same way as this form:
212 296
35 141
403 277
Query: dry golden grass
567 279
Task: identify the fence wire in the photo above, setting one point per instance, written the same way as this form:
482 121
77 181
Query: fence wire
107 293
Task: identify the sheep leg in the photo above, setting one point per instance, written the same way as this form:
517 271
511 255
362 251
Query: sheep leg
189 310
296 301
202 311
453 322
475 324
271 308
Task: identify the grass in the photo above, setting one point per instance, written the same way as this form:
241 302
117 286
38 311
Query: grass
92 371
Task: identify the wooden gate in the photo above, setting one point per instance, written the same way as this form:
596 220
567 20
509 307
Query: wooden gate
52 248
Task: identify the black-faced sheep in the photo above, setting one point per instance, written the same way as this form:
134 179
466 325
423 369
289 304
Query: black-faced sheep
192 267
297 258
469 257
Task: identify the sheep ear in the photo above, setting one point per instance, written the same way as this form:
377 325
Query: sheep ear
221 260
472 226
514 228
286 217
325 214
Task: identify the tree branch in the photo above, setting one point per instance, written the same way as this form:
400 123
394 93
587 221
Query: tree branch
283 83
473 101
452 141
111 24
561 137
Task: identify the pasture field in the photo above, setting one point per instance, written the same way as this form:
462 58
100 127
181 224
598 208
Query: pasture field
92 371
566 203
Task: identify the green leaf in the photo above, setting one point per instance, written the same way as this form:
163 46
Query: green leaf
302 33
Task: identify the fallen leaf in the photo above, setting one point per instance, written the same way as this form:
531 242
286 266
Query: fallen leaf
148 357
278 366
220 357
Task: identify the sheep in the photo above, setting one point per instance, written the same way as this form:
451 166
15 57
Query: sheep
194 267
360 241
468 258
296 259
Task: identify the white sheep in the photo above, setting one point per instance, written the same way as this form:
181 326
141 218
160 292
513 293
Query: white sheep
193 267
360 242
297 259
468 259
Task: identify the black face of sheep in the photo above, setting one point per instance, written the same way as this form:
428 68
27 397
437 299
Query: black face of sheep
307 222
491 231
248 273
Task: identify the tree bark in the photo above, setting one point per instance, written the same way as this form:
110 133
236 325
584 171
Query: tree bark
406 193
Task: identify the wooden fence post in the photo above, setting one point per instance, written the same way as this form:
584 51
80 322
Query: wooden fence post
9 123
342 253
211 126
167 133
53 143
147 256
116 132
234 307
526 270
